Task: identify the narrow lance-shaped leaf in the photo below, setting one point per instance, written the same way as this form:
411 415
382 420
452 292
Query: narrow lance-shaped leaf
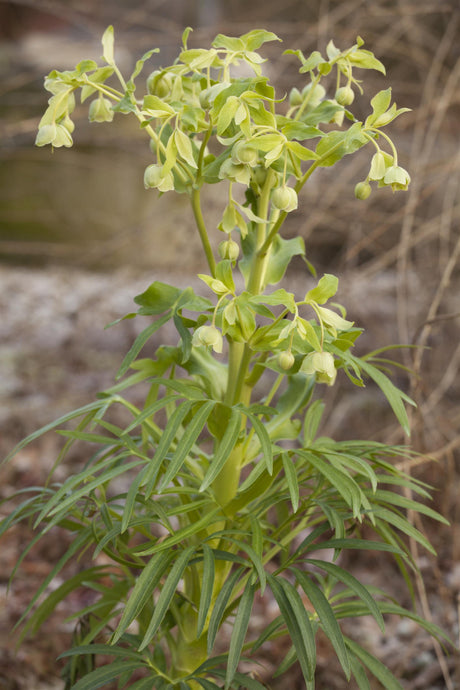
292 482
326 617
167 593
239 631
298 624
167 439
352 583
207 586
105 674
265 442
184 446
143 590
222 601
379 670
140 342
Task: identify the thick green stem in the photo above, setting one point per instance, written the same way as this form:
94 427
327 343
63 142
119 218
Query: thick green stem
200 224
258 268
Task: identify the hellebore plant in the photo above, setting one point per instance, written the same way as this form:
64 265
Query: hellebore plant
218 488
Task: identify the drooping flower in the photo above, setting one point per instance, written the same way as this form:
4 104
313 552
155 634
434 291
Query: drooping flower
100 110
321 364
397 178
209 336
154 177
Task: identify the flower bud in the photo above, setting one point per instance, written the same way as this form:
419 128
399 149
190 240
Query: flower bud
345 95
285 198
295 97
159 83
338 117
362 190
259 175
317 94
100 110
286 359
209 336
229 249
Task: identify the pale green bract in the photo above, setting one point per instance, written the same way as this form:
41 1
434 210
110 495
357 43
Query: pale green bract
222 485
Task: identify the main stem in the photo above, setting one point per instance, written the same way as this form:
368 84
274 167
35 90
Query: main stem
200 224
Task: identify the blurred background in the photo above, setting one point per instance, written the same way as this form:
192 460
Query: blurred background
79 237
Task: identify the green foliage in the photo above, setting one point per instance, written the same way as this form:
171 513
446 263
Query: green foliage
219 487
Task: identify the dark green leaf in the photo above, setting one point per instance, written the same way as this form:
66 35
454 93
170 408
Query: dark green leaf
105 674
239 631
222 601
166 441
355 585
265 442
326 616
298 624
143 590
207 586
191 433
167 593
291 478
379 670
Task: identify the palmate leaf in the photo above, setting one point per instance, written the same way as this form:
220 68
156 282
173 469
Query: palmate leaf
298 625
